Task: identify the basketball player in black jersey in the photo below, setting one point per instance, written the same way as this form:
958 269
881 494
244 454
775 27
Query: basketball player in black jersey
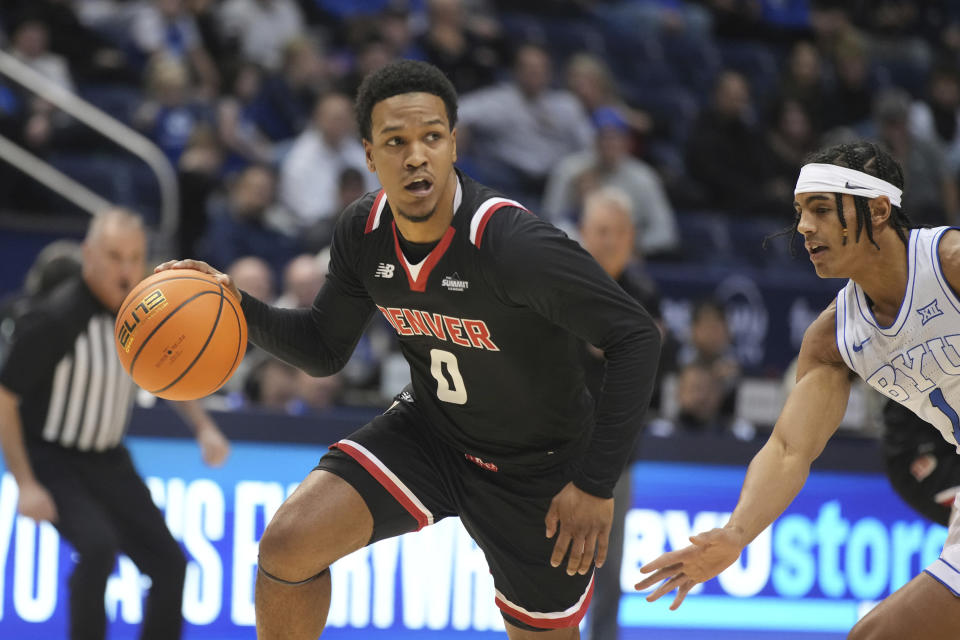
491 306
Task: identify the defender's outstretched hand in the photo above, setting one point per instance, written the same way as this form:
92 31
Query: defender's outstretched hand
683 569
203 267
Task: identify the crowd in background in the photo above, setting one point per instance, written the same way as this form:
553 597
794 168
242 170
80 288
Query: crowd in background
670 106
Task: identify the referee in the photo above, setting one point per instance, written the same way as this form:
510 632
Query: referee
65 402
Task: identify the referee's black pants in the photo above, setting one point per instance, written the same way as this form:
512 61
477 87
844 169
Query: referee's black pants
104 507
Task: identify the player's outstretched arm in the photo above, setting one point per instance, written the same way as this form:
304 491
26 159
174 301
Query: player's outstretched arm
810 416
318 340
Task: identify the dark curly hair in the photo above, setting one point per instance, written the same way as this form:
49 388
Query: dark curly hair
402 76
871 159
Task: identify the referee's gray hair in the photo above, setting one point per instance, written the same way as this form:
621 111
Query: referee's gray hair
608 194
119 215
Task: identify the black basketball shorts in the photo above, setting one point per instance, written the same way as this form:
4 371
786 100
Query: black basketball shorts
409 480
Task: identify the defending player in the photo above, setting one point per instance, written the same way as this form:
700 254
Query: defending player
895 325
491 305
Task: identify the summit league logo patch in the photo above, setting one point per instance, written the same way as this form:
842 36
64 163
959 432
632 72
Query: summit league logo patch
454 283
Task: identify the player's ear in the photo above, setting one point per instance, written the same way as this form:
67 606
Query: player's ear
368 154
453 136
880 210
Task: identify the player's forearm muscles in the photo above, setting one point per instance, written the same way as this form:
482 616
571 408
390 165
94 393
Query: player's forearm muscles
774 478
810 416
317 342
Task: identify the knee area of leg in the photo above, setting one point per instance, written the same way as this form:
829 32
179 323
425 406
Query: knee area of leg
282 538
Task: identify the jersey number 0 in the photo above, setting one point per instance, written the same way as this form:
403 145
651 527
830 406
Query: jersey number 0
446 371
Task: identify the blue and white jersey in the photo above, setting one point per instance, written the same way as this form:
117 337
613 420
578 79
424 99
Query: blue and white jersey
915 360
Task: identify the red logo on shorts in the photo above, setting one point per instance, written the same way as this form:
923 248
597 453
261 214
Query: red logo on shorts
489 466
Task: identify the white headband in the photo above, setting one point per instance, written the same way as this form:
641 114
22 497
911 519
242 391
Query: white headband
833 179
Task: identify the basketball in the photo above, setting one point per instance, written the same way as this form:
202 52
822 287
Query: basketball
180 334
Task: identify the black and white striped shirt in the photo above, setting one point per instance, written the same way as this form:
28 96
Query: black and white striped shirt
64 367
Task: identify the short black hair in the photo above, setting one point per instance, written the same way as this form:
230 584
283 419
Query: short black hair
398 77
872 159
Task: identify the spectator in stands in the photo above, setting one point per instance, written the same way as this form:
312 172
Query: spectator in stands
936 117
804 81
272 384
255 274
169 115
243 140
318 394
372 51
30 44
710 345
40 123
311 170
468 56
699 398
610 164
286 99
590 79
855 81
831 24
394 24
726 153
198 173
517 130
241 224
790 138
261 28
90 56
302 280
932 197
165 28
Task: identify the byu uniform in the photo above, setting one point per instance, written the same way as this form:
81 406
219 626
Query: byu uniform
497 419
915 360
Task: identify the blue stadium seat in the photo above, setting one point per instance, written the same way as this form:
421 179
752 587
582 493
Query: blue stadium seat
122 180
705 238
118 101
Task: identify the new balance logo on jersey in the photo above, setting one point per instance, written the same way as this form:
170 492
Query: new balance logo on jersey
454 283
929 312
384 270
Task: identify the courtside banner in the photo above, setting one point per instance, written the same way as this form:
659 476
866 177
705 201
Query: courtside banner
846 542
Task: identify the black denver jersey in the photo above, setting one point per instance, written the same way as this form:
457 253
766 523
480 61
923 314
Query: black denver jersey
491 322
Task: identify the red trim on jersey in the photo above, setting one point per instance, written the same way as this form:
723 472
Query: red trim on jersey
420 284
486 218
372 218
569 620
423 519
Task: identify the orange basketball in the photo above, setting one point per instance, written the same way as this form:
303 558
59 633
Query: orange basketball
180 334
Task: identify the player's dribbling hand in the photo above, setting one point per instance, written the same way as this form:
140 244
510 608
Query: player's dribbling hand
683 569
583 521
37 503
200 265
